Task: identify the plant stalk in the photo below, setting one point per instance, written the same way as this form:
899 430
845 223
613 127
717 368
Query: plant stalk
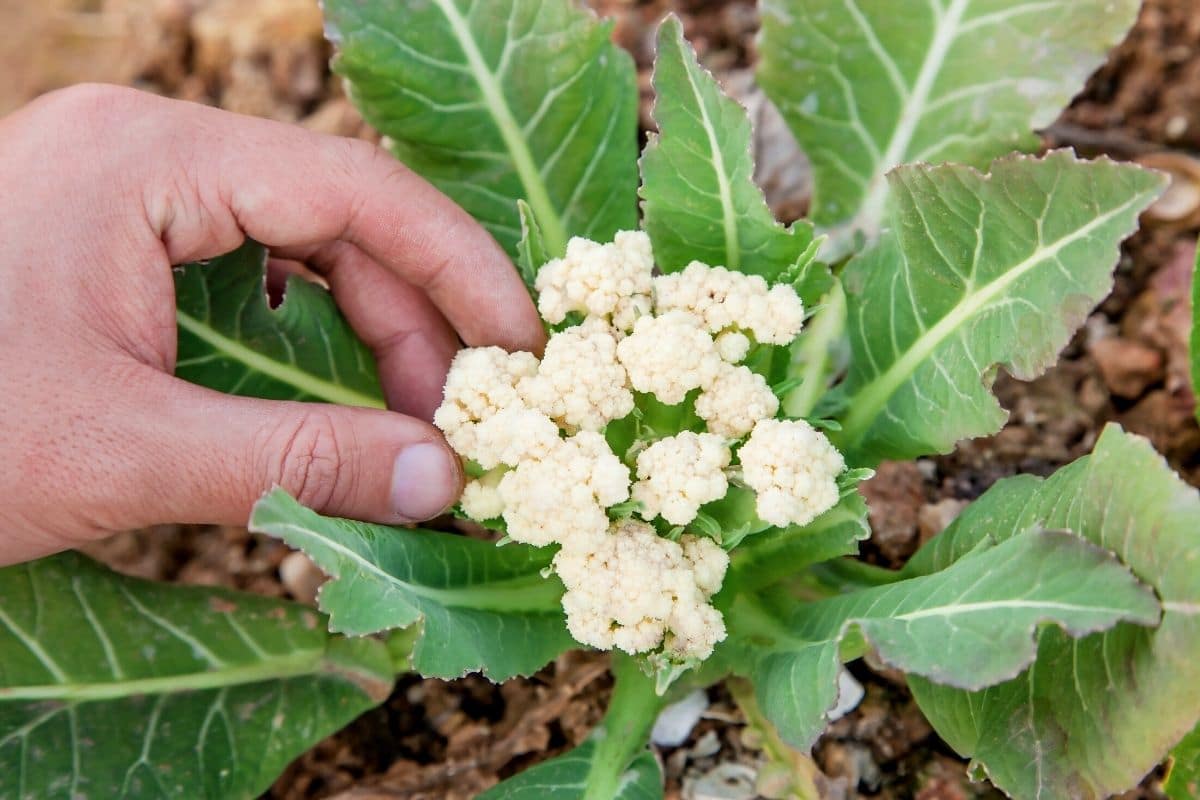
625 728
814 354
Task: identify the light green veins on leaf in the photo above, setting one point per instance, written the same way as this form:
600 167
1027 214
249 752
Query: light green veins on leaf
116 687
977 271
698 191
970 625
481 607
231 340
1090 716
866 87
495 102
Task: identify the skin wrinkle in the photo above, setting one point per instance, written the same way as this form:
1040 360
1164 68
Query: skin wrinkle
104 188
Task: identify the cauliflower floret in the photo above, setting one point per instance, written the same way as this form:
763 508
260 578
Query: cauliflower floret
679 474
733 346
512 435
563 496
580 383
594 279
695 629
632 589
481 499
793 470
482 382
736 399
709 562
668 356
723 299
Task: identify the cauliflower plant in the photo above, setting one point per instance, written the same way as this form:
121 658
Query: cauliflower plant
633 426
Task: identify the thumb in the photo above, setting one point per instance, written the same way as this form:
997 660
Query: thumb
213 455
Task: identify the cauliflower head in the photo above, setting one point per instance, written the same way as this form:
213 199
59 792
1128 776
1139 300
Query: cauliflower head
611 444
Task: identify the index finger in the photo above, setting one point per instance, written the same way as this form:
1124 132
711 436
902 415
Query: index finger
285 187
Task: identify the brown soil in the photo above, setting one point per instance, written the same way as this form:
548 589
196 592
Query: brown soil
450 740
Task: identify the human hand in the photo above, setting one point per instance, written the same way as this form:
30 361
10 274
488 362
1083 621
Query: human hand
103 190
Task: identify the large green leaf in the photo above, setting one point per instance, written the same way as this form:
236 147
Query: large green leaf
971 625
231 340
481 607
1183 777
699 197
980 270
1093 715
499 100
116 687
867 85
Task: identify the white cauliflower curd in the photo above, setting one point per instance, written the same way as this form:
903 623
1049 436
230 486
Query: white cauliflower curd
727 300
636 590
571 451
668 356
612 281
565 493
793 470
580 383
735 400
679 474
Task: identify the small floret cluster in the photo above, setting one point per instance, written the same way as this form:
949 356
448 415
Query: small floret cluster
534 433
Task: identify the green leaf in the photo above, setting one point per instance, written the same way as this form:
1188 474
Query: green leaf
1194 346
699 198
1183 776
498 101
613 764
866 87
231 340
112 686
531 249
971 625
1091 716
979 270
482 607
779 553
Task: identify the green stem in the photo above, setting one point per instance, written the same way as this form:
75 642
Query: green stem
625 729
814 354
788 773
766 559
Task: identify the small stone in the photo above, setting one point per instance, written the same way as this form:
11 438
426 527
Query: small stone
676 721
301 577
726 781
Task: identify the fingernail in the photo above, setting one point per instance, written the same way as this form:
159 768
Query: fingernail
423 481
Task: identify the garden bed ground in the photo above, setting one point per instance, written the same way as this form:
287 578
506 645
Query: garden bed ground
450 740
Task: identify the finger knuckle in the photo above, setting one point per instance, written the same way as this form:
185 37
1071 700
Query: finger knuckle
97 105
310 463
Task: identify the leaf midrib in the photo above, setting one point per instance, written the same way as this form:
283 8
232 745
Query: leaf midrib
912 112
553 230
728 212
525 593
284 372
285 665
872 398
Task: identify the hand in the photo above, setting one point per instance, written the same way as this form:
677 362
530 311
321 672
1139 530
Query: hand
103 190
